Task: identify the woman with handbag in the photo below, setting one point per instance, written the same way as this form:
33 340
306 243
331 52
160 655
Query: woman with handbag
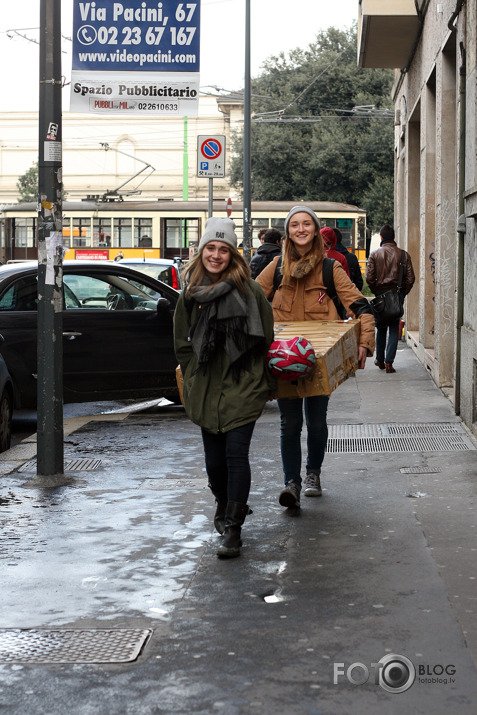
390 276
302 295
223 327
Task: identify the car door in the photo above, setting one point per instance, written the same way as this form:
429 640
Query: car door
116 342
18 328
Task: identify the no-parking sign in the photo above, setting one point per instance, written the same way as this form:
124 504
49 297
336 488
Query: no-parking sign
211 156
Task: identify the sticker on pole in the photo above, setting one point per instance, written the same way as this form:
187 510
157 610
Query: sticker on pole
211 156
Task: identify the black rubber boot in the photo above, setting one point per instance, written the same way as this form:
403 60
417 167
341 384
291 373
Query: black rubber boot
219 518
235 514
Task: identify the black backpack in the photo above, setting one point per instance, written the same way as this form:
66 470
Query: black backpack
328 280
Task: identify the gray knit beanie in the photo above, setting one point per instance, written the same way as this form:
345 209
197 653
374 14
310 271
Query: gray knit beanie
304 209
219 229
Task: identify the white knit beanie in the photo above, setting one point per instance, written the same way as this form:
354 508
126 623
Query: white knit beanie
305 209
219 229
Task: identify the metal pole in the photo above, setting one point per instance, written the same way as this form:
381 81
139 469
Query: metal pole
185 165
247 164
211 197
50 249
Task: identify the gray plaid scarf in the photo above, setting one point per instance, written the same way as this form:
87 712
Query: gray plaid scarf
228 320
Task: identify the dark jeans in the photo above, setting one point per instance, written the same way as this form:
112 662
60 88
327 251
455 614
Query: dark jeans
227 463
291 423
387 353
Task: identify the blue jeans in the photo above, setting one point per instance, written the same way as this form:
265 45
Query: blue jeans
227 463
387 353
291 423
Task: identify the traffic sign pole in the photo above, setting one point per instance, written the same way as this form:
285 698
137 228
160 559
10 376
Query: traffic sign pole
247 201
211 197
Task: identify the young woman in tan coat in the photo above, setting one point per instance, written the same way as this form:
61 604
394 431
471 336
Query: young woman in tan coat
302 296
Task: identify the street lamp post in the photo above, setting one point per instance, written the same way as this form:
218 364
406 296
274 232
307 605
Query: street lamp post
50 249
247 164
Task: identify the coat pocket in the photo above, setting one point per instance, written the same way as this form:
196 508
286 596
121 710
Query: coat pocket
316 302
283 298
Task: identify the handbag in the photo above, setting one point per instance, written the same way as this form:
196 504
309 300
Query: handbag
388 307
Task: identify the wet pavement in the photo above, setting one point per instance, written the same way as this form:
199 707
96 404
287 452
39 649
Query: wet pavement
383 565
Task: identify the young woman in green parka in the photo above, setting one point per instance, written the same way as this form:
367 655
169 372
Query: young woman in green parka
223 327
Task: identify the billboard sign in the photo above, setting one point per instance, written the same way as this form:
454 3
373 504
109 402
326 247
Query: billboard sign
136 57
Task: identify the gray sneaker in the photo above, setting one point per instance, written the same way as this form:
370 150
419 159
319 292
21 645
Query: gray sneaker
312 485
290 496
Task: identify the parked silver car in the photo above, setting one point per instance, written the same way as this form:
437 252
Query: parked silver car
161 269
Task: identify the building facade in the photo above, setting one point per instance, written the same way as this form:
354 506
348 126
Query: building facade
101 154
434 46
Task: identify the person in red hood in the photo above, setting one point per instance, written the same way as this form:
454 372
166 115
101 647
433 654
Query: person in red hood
329 243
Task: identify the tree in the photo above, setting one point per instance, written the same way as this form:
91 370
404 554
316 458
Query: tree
27 185
322 128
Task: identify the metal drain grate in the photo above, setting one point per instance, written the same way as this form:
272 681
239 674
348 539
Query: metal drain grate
80 464
72 646
419 437
420 470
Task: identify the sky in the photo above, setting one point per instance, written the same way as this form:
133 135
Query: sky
276 26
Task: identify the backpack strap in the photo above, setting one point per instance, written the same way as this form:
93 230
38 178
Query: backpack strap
277 276
328 278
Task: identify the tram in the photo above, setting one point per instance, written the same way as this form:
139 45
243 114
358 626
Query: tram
161 229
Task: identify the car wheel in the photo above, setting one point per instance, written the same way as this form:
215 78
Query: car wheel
6 413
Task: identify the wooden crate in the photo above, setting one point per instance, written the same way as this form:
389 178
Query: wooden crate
336 345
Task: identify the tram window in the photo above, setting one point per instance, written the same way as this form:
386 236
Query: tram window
101 232
257 224
66 232
361 233
123 232
81 232
143 232
24 232
330 222
179 234
279 224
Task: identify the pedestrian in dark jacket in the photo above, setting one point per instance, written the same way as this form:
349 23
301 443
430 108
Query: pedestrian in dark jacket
223 327
265 253
382 274
352 260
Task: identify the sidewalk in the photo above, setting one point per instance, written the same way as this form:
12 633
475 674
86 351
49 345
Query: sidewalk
384 563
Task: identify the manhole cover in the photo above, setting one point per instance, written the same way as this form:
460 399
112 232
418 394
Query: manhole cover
72 646
419 437
80 464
